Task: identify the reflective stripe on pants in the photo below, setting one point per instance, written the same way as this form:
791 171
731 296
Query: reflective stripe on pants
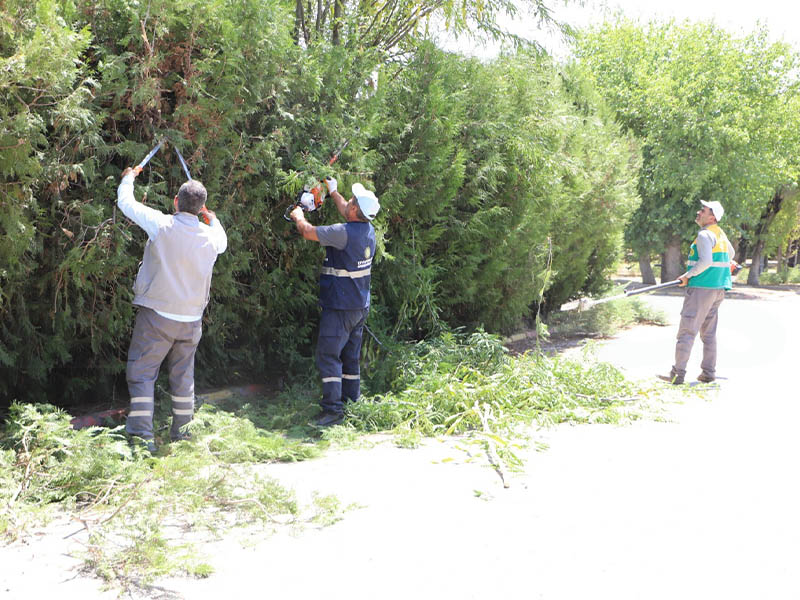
338 353
154 339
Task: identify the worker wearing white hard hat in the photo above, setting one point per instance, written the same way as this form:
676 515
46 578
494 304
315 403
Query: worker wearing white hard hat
344 295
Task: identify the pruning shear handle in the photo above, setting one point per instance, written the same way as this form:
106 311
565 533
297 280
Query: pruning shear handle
138 168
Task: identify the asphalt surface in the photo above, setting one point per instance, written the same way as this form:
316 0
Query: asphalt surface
701 503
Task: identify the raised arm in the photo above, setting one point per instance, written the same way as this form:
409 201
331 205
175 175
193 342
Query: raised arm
338 199
145 217
306 229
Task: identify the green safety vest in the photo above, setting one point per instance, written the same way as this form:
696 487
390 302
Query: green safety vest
718 275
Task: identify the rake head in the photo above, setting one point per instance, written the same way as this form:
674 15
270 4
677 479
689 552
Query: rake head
580 305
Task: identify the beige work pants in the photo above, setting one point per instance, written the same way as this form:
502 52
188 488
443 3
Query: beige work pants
699 315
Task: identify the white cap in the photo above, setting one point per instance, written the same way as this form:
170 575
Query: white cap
716 208
367 201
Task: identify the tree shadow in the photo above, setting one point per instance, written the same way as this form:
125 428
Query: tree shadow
276 407
285 409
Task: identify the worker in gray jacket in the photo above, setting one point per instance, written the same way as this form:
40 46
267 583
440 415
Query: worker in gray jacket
171 291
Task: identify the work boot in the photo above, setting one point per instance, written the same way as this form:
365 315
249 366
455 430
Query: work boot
672 378
327 418
183 436
705 377
148 444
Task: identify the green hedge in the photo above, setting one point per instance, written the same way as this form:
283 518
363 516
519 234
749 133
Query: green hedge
498 181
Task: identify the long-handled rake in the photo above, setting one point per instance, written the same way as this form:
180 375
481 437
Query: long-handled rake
584 303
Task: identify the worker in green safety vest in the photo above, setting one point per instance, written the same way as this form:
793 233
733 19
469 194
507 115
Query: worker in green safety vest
709 275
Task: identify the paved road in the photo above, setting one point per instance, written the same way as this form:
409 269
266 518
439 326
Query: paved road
703 505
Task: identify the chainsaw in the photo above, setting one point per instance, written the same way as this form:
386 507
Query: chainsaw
312 198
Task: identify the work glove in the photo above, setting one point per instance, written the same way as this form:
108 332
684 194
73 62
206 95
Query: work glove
306 202
330 182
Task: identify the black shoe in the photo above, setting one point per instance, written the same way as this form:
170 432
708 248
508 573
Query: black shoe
328 418
705 378
183 436
672 378
148 444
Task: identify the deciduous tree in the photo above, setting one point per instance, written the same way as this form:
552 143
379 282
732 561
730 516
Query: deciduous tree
713 113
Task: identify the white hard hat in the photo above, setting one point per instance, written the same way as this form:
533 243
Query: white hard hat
367 201
715 207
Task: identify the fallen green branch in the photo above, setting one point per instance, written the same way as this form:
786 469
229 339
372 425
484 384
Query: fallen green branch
128 501
468 384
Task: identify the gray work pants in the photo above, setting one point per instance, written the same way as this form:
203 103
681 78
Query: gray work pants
154 339
699 314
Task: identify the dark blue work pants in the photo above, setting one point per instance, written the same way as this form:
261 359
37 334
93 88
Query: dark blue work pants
338 352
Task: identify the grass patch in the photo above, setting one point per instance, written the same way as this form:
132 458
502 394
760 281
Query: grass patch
788 275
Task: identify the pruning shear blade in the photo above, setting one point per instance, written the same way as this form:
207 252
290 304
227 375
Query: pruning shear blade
183 164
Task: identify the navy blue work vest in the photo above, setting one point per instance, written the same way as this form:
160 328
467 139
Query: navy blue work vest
344 280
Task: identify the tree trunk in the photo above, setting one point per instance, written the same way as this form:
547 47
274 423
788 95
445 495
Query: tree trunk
759 239
755 263
672 261
299 23
742 251
337 21
737 244
646 269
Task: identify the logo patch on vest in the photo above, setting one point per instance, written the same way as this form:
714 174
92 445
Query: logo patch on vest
367 252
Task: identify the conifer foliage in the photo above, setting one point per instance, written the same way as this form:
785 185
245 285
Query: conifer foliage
499 182
499 187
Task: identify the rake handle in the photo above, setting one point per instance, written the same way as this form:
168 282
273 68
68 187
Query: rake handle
653 288
644 290
589 303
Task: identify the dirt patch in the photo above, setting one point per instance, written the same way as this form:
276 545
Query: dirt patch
553 345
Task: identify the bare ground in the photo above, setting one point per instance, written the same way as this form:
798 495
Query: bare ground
702 503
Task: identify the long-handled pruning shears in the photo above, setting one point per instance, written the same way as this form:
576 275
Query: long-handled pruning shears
138 168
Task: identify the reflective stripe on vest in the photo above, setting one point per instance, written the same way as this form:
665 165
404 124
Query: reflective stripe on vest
345 276
692 263
343 273
718 275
